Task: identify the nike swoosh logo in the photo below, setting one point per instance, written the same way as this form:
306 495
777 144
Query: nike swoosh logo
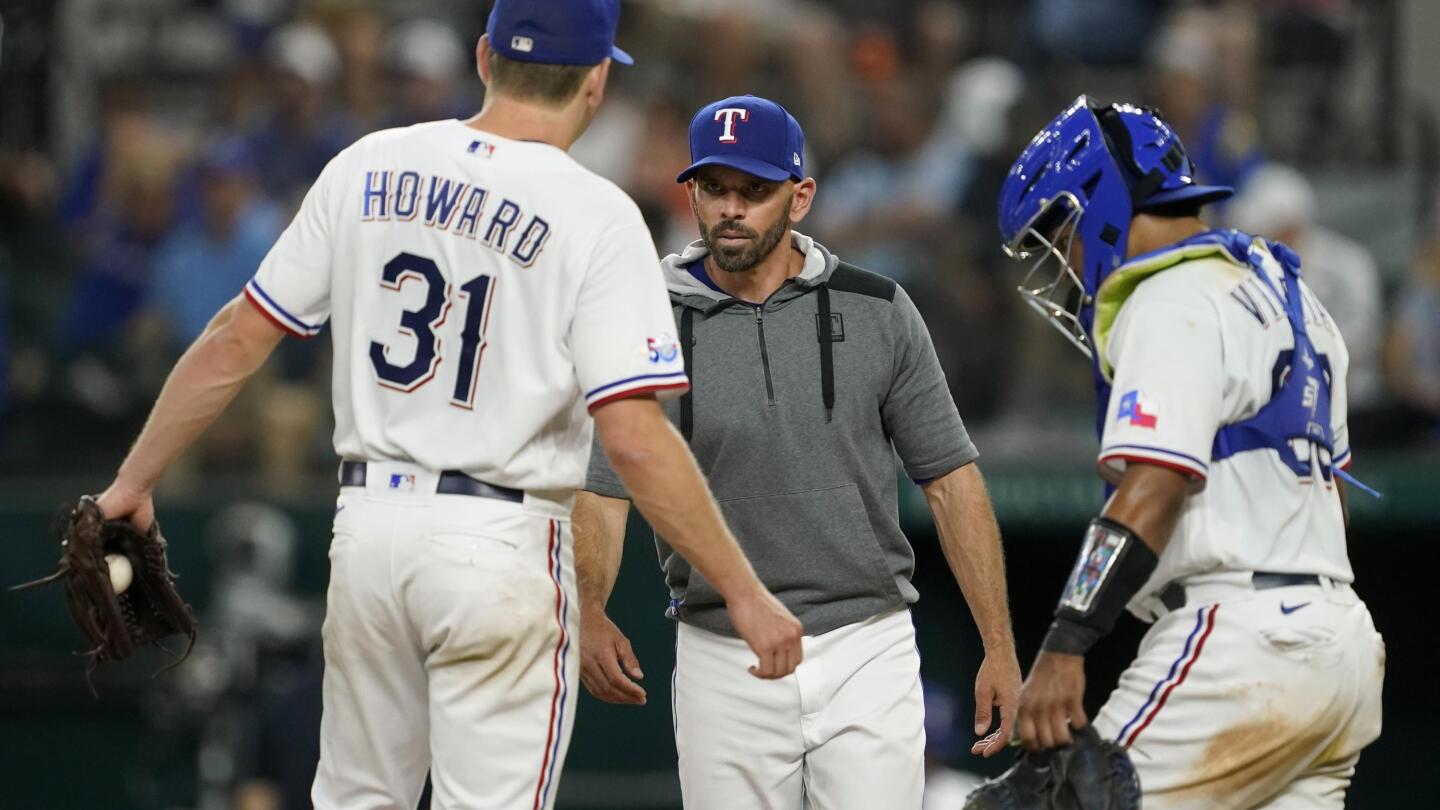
1288 609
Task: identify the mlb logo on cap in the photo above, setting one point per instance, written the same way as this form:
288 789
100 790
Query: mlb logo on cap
556 32
749 133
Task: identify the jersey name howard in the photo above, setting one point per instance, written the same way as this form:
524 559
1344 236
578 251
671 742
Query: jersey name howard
452 205
480 300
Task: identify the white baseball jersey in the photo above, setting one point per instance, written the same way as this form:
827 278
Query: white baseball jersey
1200 345
481 292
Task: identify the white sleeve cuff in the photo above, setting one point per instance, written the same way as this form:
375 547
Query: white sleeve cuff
277 314
665 386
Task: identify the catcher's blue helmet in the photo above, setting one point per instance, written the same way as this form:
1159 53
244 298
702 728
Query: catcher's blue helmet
1085 175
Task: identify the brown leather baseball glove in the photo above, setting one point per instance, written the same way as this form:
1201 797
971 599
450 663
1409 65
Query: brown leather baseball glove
149 610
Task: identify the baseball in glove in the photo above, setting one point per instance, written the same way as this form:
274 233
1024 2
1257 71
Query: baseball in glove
148 610
1088 774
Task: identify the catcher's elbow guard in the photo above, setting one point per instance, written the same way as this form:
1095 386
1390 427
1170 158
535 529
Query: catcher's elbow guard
1113 565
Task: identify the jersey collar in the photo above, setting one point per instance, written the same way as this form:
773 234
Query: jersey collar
1229 245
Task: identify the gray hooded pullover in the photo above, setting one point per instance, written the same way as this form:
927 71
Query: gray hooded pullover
806 480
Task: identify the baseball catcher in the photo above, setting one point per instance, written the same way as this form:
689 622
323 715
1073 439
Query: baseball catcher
118 585
1221 408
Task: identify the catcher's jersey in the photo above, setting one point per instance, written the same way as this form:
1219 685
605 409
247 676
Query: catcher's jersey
481 292
1204 344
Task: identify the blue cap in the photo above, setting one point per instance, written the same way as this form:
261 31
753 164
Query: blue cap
557 32
749 133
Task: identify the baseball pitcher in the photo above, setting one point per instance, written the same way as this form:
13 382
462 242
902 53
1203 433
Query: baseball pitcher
486 296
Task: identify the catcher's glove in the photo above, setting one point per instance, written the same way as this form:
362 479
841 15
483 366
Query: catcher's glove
1088 774
150 608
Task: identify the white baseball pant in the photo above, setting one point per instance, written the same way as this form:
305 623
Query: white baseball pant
448 647
1251 699
845 730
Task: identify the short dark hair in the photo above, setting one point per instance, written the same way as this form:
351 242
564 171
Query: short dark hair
536 81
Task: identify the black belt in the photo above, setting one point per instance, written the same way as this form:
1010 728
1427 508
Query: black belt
1173 595
452 482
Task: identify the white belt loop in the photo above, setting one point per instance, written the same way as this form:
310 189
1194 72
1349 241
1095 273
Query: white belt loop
1153 606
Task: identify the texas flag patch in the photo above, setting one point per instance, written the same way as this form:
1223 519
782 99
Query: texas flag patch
1140 411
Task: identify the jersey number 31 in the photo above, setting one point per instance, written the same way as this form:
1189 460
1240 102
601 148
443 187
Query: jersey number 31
421 324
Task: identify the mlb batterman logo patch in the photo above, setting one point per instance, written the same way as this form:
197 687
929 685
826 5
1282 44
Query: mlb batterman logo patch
1140 411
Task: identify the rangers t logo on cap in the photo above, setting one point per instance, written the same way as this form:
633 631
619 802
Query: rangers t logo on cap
727 134
556 32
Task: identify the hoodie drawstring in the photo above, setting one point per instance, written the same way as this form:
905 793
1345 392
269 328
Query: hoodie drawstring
687 402
827 358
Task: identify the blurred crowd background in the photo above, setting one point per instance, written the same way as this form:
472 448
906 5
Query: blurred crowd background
152 150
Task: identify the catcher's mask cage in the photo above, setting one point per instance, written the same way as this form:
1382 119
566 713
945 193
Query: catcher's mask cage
1055 290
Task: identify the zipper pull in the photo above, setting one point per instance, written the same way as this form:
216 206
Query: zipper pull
759 312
